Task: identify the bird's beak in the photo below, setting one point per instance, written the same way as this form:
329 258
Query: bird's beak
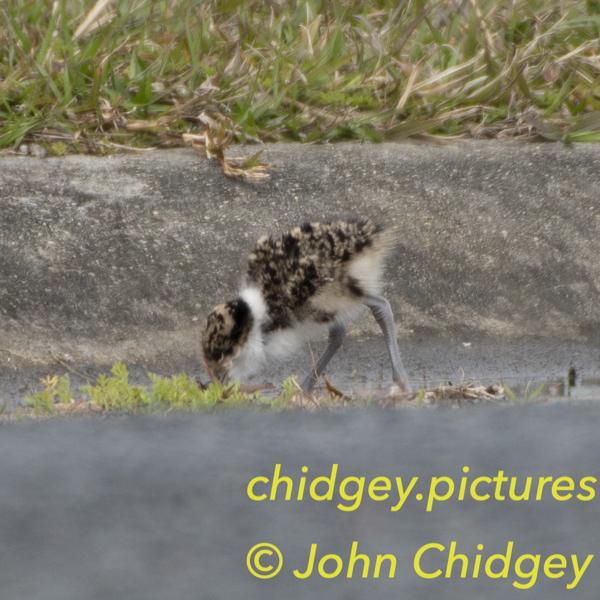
221 376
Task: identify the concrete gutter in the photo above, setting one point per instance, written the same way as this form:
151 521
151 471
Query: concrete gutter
114 258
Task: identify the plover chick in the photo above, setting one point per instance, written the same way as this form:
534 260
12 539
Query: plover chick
297 285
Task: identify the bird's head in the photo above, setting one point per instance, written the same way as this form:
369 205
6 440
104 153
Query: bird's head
225 338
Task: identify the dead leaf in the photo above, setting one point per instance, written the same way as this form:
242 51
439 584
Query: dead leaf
333 391
213 143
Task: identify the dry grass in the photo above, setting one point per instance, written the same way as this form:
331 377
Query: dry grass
83 76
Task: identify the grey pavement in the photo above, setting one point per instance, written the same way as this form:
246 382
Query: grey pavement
156 508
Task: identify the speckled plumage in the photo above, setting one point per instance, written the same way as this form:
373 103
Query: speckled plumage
296 270
297 284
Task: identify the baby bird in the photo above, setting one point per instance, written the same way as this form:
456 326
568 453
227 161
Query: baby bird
307 280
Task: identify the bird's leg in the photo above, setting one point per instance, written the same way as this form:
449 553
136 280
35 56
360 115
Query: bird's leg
382 311
337 332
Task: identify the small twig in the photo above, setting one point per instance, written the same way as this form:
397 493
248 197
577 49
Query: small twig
124 147
69 368
333 391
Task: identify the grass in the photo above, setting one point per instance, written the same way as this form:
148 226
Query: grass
97 77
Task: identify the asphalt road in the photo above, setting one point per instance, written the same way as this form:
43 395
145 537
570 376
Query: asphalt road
156 508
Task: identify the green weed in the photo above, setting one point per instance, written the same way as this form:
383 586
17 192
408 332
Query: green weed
55 389
528 394
115 393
